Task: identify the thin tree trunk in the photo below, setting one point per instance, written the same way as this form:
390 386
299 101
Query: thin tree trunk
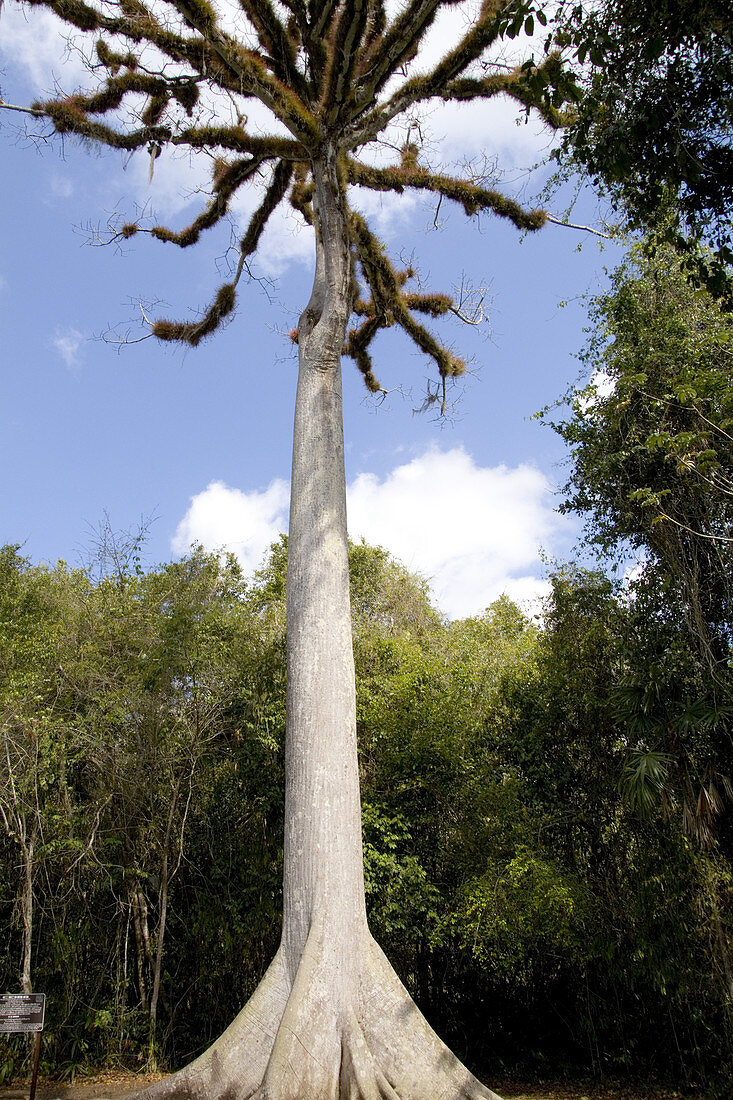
26 912
139 908
160 938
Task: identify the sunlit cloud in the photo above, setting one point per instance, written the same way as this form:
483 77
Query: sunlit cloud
474 532
600 386
244 523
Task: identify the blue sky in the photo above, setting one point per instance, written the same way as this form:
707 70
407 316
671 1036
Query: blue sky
200 439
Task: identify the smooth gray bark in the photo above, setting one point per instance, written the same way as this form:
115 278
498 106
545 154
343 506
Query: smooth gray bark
330 1019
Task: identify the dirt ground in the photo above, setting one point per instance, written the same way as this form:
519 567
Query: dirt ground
114 1086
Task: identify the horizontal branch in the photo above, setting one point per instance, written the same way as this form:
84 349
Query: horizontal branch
238 140
26 110
69 117
471 197
574 225
530 85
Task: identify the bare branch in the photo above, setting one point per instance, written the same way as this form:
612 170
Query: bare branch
582 228
35 111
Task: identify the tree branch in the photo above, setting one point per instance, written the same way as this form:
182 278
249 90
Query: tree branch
479 37
471 196
35 111
574 225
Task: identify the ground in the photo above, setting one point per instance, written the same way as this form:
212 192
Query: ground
115 1086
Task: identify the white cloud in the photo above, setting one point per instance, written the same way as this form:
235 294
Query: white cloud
179 179
221 517
497 127
287 239
386 211
474 532
36 42
67 343
603 383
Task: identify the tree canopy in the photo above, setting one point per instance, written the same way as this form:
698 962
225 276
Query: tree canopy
655 122
650 468
186 75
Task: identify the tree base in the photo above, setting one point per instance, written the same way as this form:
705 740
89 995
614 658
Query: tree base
314 1038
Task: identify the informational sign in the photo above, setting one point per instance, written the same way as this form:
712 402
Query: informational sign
22 1012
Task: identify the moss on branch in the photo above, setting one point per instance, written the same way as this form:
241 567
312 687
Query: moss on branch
389 306
227 179
472 197
343 49
193 333
278 42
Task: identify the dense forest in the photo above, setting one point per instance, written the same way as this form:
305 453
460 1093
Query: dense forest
545 798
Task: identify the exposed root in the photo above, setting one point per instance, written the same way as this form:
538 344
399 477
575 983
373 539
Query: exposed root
233 1067
361 1077
317 1037
306 1053
416 1061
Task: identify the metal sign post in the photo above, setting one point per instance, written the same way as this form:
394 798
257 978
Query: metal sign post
24 1013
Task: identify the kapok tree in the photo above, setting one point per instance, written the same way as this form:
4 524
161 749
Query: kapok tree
330 1017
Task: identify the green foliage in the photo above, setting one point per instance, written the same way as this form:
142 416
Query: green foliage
652 467
652 462
506 864
653 127
521 921
402 903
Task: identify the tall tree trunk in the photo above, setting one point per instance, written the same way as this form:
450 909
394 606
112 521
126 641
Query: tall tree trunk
330 1019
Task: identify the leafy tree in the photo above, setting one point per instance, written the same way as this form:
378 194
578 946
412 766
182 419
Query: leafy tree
37 629
507 871
654 125
651 461
330 1013
637 946
651 467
